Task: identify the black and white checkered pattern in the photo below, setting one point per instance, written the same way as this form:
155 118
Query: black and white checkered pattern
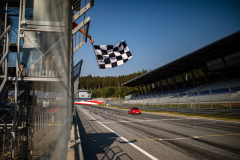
109 56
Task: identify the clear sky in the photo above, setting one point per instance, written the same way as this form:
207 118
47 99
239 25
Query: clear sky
156 31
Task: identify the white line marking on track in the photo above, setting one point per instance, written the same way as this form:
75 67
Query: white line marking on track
141 150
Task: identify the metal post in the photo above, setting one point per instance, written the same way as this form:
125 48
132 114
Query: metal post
119 99
25 123
6 44
198 99
169 100
44 120
163 100
151 97
187 99
41 121
35 123
143 101
18 137
31 152
178 99
3 141
157 101
210 97
230 97
38 122
147 101
48 118
16 82
24 147
139 102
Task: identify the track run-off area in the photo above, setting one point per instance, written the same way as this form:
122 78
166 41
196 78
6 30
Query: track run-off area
109 133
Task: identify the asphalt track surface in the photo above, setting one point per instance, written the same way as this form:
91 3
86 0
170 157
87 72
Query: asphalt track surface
108 134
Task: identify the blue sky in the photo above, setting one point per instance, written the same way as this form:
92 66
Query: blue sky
156 31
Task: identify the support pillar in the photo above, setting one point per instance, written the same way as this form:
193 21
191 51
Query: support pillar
139 90
151 88
175 83
194 78
142 89
147 88
184 81
206 77
167 84
223 77
160 82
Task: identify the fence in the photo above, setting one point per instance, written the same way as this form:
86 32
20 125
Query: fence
218 104
40 125
212 101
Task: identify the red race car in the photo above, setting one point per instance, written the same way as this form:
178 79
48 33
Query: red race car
134 110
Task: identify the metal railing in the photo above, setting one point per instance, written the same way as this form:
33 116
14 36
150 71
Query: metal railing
227 104
227 100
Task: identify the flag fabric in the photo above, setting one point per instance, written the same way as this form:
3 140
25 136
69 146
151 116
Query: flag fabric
110 56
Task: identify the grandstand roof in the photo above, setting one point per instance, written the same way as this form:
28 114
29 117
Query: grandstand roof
194 60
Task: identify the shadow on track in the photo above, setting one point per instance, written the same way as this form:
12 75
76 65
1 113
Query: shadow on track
95 143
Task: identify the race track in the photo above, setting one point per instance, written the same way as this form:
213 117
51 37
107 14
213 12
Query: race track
108 134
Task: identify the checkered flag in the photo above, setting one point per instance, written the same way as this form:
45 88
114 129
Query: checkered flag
109 56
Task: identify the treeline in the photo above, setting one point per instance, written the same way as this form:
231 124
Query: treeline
108 86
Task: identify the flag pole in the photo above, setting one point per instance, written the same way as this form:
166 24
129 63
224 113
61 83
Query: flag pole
96 56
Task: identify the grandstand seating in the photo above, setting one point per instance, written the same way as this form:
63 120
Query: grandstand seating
220 87
223 84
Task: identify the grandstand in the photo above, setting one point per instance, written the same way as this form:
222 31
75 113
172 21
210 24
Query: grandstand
208 75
